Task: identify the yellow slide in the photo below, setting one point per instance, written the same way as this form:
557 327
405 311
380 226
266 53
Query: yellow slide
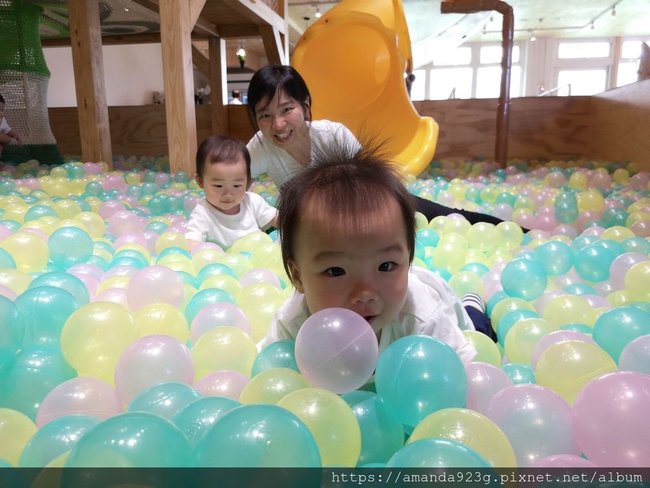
354 59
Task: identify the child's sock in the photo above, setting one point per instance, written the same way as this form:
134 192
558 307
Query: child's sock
473 300
475 307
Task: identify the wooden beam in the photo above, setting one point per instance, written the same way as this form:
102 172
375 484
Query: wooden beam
88 65
273 45
232 31
178 77
195 10
218 86
258 13
200 61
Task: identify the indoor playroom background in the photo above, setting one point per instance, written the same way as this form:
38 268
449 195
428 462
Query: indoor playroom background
117 337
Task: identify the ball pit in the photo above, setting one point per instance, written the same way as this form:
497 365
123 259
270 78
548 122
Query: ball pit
117 336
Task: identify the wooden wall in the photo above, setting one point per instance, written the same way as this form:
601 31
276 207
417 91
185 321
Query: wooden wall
540 127
141 131
619 126
614 125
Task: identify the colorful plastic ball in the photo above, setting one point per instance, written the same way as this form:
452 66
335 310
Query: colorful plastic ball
610 415
566 367
566 309
509 319
164 400
470 428
556 257
28 250
223 348
197 417
150 361
204 298
336 349
271 385
79 396
258 436
418 375
636 355
563 461
54 439
161 318
524 278
44 311
279 354
537 421
523 336
437 453
618 326
69 246
382 434
519 373
132 440
486 350
66 281
30 375
592 262
556 337
15 431
94 336
216 315
224 383
331 421
637 281
12 328
483 382
154 284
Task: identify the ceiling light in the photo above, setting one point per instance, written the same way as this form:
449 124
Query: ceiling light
317 14
614 11
532 36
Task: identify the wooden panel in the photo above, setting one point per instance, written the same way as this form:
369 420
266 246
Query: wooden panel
85 34
140 131
620 124
540 127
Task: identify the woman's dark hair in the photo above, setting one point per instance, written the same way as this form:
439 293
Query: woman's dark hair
2 99
218 149
346 184
274 78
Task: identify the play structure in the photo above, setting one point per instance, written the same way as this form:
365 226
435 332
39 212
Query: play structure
24 78
354 60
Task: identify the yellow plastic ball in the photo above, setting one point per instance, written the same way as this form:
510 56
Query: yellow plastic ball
162 318
465 282
16 429
590 200
94 337
510 234
223 348
471 429
15 280
523 336
566 367
66 209
567 309
637 281
30 252
171 239
223 282
260 314
507 305
92 223
486 349
204 257
271 385
332 423
484 236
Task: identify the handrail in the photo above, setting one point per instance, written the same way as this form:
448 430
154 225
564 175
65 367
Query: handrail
555 90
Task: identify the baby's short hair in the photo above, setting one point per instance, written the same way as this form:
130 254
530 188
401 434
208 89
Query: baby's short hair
217 149
346 183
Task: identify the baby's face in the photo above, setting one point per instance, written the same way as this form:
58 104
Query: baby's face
363 268
224 185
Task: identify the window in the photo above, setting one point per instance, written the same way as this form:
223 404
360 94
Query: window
583 82
450 83
419 85
575 50
488 81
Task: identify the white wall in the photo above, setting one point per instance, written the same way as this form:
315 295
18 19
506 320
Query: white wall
131 73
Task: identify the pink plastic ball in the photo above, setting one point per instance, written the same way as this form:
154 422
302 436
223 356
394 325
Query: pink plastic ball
611 415
555 338
336 349
218 314
79 396
155 284
483 382
150 361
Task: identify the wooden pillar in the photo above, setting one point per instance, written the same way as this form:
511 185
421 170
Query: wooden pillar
86 43
178 77
219 86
